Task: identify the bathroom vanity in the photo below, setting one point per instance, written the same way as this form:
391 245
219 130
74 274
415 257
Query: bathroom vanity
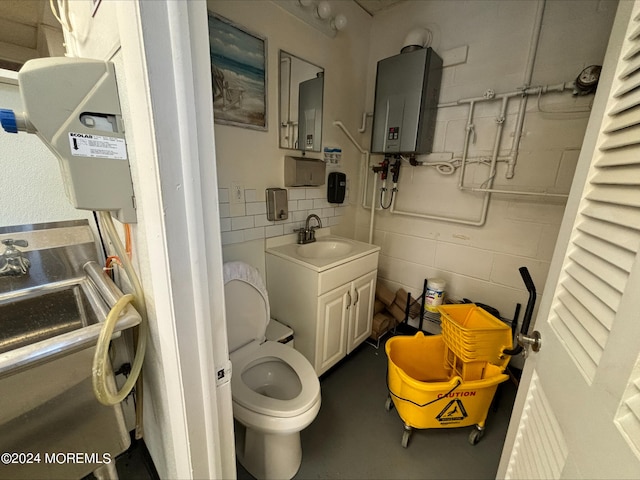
324 291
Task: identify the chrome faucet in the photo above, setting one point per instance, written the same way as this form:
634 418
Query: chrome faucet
12 261
308 233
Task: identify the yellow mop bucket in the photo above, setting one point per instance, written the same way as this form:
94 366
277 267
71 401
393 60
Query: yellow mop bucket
429 394
475 335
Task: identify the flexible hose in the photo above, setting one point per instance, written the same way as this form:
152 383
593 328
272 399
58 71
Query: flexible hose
100 368
99 372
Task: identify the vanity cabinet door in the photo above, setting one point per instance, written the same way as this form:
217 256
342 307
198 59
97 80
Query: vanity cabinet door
361 317
333 313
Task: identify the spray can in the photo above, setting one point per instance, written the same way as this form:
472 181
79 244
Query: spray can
435 294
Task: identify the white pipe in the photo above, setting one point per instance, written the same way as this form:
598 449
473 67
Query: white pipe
442 217
363 127
514 192
366 154
373 209
494 160
340 125
467 138
517 135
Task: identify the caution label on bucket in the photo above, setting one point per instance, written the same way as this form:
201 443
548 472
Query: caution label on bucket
454 412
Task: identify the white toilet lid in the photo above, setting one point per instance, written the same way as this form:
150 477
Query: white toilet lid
246 304
309 392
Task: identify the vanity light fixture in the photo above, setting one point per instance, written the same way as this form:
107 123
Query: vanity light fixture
318 14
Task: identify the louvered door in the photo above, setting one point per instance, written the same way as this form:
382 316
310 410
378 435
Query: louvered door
577 414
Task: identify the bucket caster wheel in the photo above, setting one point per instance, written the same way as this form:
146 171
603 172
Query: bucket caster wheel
476 434
388 405
406 435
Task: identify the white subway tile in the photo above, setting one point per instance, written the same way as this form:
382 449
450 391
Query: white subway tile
298 216
305 204
253 233
256 208
232 237
328 212
223 195
293 205
339 211
225 224
261 221
297 194
241 223
225 210
320 203
237 209
274 230
316 193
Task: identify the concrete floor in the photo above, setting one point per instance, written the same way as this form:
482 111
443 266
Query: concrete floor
354 436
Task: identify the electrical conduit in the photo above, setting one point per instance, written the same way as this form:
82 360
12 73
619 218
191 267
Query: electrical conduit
366 154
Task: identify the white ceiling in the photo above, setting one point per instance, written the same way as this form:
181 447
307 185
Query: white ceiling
374 6
21 22
21 31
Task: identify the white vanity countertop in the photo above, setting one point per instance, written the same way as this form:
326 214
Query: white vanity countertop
287 247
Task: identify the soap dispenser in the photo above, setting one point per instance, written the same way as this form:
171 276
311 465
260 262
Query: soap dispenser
277 204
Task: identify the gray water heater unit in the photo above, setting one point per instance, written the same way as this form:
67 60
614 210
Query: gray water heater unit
407 93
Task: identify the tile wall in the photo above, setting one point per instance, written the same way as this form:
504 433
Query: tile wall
247 220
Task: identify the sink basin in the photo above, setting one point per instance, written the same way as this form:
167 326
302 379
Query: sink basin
42 316
55 319
325 249
328 251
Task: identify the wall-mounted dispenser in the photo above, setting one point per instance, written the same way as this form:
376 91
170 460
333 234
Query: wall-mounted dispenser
303 172
277 204
406 100
72 105
336 187
310 113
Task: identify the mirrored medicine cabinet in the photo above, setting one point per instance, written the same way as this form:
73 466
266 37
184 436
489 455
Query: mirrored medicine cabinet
300 106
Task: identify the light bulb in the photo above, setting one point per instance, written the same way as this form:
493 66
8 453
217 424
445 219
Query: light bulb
339 22
323 10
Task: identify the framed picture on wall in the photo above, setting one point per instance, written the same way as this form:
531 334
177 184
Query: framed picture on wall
238 74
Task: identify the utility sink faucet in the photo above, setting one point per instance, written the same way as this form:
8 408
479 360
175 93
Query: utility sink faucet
308 233
12 261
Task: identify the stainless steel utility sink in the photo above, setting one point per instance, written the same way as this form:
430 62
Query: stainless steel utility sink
50 319
39 317
55 319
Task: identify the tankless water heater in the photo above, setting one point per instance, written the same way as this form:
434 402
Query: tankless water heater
406 101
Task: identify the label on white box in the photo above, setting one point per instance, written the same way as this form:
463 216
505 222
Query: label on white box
97 146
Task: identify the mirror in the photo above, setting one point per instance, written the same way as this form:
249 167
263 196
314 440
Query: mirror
301 93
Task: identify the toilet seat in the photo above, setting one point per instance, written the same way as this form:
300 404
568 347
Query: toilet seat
244 396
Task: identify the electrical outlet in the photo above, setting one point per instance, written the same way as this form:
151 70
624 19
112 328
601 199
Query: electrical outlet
236 193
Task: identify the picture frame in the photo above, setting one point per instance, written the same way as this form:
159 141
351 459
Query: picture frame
238 74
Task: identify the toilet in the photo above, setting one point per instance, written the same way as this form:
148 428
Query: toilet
275 390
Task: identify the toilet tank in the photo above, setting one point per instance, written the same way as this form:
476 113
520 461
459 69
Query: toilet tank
278 332
406 101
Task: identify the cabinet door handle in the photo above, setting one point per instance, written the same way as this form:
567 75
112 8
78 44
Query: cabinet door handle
349 304
357 296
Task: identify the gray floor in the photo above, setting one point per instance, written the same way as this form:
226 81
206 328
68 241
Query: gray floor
354 437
